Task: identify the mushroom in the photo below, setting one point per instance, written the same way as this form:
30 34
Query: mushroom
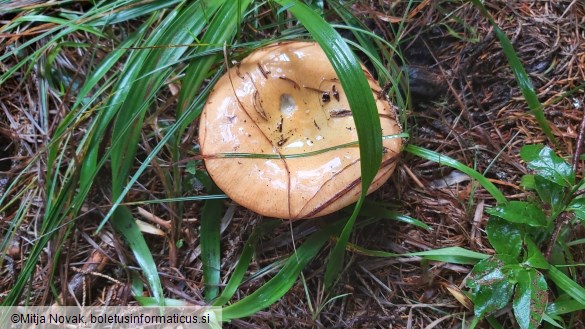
285 99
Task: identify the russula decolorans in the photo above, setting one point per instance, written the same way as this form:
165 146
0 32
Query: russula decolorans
286 99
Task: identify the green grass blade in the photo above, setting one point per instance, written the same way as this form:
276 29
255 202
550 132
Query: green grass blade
221 30
445 160
363 107
243 262
522 77
210 237
126 225
276 287
454 255
373 209
566 284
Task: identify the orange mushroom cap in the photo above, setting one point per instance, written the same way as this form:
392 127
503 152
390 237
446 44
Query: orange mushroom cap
285 99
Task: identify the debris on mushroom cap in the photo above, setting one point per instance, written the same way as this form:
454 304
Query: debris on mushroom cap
286 99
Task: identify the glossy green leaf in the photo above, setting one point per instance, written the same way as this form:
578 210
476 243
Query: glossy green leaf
520 212
564 307
547 164
577 206
505 237
550 193
491 288
530 298
534 257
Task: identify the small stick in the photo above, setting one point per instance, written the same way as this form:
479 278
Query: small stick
561 221
579 146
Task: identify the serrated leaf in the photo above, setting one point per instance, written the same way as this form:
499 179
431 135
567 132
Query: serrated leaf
534 257
520 212
505 237
530 298
548 165
490 286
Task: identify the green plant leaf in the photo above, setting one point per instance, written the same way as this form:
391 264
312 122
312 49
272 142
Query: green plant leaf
547 164
520 212
530 298
455 255
534 257
373 209
564 307
550 193
528 182
491 288
505 237
577 206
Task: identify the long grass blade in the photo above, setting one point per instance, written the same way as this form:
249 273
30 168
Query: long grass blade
243 262
126 225
362 104
445 160
276 287
522 77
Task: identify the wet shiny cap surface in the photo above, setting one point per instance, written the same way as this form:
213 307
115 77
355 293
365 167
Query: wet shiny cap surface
282 100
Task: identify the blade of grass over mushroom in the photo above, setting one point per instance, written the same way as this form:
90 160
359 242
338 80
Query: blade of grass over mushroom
522 77
445 160
276 287
298 155
364 111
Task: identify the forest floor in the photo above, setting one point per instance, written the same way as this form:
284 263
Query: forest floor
466 104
